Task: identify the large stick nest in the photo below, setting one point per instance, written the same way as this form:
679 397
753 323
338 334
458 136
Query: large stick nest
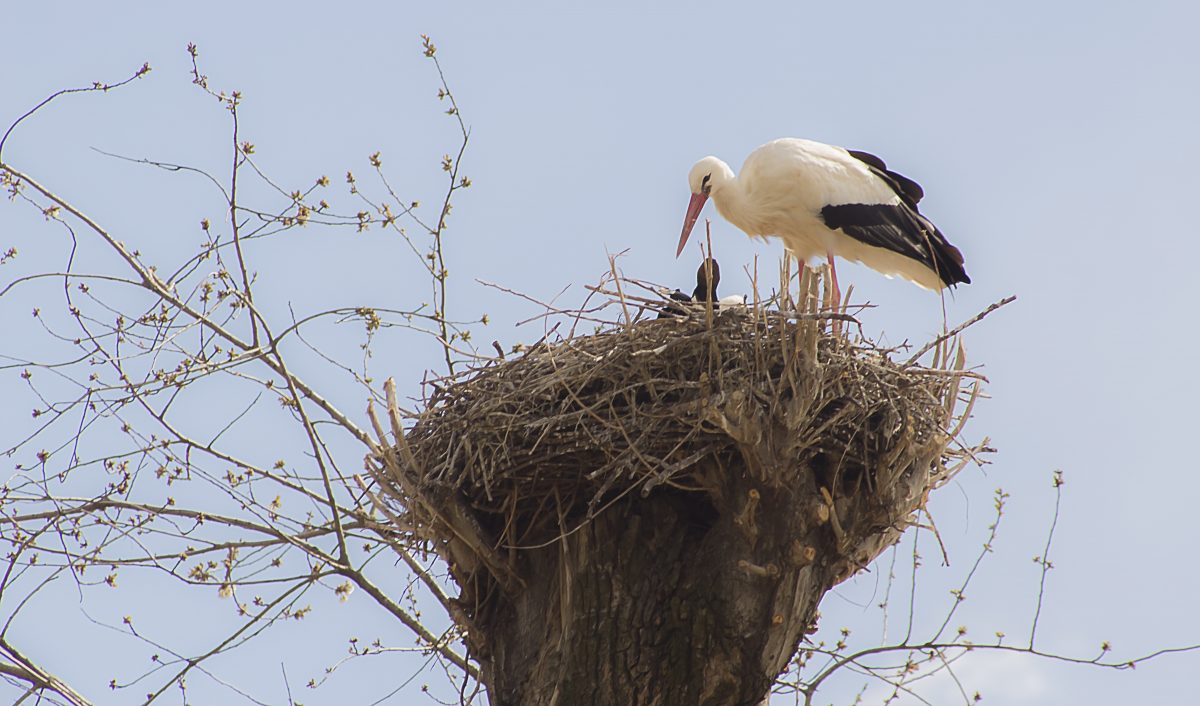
520 451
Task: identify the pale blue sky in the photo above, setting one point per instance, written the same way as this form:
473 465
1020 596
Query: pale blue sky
1056 143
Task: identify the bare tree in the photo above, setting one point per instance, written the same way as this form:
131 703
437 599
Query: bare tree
127 352
771 460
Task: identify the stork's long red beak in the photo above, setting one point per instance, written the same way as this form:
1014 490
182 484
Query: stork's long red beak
693 212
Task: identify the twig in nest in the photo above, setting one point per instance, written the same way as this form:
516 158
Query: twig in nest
958 329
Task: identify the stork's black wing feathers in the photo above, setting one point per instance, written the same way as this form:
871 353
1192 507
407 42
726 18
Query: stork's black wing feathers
900 227
902 230
907 189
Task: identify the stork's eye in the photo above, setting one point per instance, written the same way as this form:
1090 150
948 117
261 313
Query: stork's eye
704 185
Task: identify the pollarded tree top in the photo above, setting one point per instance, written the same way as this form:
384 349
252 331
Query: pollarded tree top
665 498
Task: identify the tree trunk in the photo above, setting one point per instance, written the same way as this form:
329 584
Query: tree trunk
667 600
678 598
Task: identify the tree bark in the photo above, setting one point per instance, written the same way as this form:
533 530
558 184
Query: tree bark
677 598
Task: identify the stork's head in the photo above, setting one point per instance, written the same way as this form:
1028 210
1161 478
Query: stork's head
707 175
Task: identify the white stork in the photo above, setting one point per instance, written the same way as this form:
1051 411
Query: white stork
825 200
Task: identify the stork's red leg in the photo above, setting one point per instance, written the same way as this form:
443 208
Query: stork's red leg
837 291
835 326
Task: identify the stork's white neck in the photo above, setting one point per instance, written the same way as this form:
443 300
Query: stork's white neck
728 194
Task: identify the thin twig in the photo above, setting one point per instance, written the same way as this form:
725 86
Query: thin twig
958 329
